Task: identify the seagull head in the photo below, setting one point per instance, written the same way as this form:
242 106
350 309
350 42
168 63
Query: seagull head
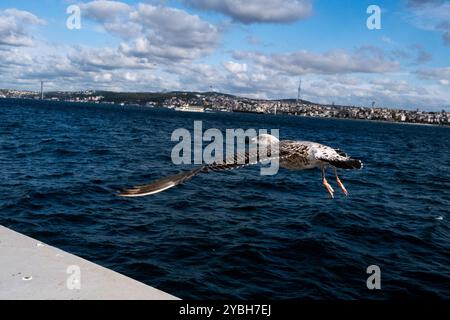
265 139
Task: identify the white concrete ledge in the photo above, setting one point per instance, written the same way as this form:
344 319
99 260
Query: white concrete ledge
31 270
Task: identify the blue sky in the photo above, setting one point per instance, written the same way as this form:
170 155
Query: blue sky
250 48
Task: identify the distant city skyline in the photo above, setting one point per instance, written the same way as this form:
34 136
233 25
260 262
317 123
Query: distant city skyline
256 49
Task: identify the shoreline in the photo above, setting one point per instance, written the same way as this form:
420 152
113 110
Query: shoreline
219 111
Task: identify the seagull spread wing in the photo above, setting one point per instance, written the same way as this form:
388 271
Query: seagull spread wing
238 161
295 155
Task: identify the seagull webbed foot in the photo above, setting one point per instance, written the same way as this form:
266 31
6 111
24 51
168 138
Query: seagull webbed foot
340 184
328 187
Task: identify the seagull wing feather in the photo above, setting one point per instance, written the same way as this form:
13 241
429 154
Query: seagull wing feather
238 161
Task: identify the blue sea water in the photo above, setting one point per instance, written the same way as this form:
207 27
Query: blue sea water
235 234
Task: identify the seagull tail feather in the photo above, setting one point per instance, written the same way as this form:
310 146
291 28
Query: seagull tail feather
160 185
347 164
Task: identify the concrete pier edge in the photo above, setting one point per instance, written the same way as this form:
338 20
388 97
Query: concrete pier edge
32 270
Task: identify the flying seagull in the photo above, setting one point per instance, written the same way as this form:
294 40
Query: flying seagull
292 155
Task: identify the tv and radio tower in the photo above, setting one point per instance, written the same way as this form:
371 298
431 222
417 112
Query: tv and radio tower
42 90
299 93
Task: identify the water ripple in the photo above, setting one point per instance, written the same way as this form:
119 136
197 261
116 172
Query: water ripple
237 234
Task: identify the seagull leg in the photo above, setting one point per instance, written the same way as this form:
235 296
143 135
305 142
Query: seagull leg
326 184
340 184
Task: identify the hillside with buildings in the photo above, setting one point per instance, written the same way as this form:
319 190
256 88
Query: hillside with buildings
214 101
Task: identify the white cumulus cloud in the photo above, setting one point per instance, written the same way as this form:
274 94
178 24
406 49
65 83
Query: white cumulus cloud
258 11
15 27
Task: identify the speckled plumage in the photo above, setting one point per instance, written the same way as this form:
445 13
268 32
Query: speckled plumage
292 155
299 155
